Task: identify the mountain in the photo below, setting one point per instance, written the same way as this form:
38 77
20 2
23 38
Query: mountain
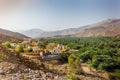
6 35
109 27
37 33
33 33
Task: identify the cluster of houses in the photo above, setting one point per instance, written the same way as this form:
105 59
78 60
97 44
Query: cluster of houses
53 54
45 54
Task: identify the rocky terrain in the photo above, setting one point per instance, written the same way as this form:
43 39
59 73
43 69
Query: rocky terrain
13 68
17 71
10 71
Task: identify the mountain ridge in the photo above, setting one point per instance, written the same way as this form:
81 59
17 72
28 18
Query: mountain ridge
108 28
96 29
9 35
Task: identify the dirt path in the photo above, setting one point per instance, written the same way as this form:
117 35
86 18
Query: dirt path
85 68
90 71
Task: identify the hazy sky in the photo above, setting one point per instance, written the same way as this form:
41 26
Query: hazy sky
52 15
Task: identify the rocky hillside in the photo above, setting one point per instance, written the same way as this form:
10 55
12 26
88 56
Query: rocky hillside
106 28
14 67
9 35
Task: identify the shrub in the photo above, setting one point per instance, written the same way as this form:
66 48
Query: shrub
72 77
30 49
7 44
20 48
71 60
34 43
74 64
41 46
3 56
65 55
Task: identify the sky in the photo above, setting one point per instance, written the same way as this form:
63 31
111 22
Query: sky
51 15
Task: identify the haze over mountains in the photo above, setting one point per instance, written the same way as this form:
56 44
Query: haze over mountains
110 27
35 33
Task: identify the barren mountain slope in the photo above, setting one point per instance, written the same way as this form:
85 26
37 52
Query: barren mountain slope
9 35
106 28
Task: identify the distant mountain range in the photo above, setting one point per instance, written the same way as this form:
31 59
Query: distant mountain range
35 33
110 27
6 35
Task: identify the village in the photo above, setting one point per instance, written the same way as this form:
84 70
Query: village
49 56
41 52
31 49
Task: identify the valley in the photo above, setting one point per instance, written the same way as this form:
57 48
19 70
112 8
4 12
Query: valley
86 53
76 61
59 39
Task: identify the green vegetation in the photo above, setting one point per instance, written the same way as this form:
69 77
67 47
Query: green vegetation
115 76
103 62
30 49
102 53
72 76
117 70
20 48
74 64
3 56
41 46
7 44
65 55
